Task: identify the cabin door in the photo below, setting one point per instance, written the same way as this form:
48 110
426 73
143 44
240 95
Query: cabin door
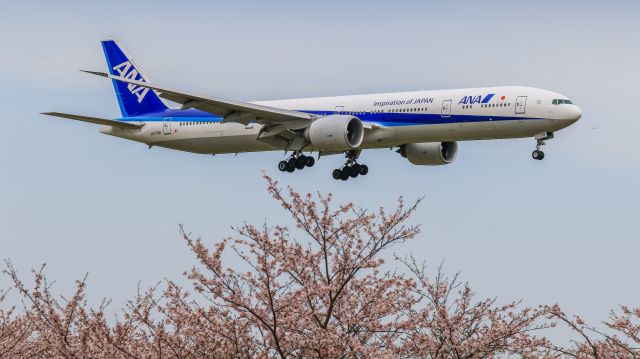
446 108
521 105
166 126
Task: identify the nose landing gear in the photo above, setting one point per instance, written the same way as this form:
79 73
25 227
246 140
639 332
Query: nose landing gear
540 141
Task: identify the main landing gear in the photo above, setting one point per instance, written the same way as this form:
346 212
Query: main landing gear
540 141
350 171
297 161
351 168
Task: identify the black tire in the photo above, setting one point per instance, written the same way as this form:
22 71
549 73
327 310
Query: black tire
291 164
301 162
344 173
537 155
336 174
282 166
310 161
357 168
352 172
364 169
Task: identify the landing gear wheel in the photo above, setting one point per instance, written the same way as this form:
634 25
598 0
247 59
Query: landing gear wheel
336 174
352 171
291 165
537 155
282 166
301 162
364 169
344 173
310 161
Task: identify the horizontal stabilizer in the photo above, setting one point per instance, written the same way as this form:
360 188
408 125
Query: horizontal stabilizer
99 121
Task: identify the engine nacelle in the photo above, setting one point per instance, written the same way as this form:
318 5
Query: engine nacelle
430 153
335 133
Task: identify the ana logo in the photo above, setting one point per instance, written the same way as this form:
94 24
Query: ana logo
127 70
470 100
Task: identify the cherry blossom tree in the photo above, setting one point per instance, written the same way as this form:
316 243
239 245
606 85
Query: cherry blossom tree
328 286
619 339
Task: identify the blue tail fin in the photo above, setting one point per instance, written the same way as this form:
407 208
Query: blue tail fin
133 100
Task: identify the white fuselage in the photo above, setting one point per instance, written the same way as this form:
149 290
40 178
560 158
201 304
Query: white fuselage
392 119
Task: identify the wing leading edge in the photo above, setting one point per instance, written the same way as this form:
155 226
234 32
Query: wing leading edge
230 111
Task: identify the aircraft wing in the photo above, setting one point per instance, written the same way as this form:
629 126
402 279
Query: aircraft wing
99 121
230 111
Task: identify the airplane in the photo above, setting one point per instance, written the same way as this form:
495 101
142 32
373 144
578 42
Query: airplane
424 126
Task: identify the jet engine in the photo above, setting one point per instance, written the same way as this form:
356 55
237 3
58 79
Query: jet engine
335 133
430 153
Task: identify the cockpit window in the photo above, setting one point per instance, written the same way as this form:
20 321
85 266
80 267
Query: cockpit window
561 101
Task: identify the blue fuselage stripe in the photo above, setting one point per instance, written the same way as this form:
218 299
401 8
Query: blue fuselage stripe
384 119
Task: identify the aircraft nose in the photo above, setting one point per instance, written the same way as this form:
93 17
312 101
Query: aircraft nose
574 113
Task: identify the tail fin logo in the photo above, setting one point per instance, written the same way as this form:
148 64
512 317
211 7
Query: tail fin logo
126 70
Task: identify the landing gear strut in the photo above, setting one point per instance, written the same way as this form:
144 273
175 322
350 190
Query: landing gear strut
297 161
540 141
351 168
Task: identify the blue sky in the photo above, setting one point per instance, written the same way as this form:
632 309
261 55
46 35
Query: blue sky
561 230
